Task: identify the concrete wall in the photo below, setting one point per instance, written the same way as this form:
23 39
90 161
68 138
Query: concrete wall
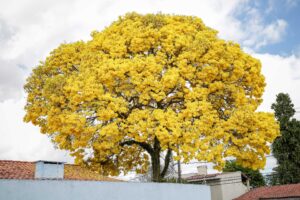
231 185
89 190
216 192
227 186
233 190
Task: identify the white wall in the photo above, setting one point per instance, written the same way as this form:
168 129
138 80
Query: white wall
232 186
227 187
90 190
234 190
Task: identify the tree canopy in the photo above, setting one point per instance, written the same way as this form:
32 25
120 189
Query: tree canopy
286 148
256 178
149 85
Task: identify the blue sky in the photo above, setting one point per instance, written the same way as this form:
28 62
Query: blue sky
30 29
288 11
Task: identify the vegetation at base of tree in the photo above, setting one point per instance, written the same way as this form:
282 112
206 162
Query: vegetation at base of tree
256 178
286 148
147 85
174 180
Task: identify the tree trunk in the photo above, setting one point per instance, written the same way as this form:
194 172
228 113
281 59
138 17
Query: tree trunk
179 171
155 158
155 167
154 152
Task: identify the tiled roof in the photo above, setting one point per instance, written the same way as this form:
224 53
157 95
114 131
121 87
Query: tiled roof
202 177
25 170
280 191
16 169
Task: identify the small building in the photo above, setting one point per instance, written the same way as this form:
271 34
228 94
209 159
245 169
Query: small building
280 192
223 186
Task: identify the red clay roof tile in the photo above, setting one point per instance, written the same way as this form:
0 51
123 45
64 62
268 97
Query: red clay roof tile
280 191
25 170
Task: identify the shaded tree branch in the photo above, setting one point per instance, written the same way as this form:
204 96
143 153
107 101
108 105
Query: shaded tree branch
167 162
144 145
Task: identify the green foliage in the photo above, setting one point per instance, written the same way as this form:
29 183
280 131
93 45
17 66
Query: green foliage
286 148
283 108
256 178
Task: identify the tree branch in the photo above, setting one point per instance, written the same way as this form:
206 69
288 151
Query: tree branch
167 162
144 145
75 67
172 101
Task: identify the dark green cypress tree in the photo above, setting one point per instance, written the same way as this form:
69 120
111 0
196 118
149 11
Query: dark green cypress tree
286 148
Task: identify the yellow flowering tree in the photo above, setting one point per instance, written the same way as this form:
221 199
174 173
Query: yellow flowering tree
147 86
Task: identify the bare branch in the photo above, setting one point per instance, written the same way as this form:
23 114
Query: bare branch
144 145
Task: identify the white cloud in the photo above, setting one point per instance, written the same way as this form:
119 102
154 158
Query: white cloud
282 75
6 32
11 80
20 141
256 32
275 30
270 34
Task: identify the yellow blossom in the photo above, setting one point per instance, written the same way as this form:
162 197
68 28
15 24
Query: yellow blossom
148 84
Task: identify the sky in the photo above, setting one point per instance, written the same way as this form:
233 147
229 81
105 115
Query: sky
29 29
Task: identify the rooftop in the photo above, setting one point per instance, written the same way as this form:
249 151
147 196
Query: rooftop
280 191
203 176
10 169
